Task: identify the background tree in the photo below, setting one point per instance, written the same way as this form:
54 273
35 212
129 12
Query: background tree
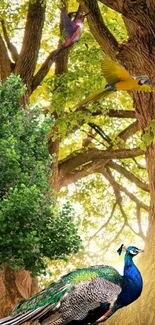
102 138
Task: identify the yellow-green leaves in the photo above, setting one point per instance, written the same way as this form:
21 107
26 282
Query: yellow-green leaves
149 136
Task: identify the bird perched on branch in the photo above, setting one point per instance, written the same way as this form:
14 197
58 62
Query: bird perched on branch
84 296
118 78
73 30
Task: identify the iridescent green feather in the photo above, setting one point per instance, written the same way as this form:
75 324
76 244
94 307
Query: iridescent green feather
52 294
103 271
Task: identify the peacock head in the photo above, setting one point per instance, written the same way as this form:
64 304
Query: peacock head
130 251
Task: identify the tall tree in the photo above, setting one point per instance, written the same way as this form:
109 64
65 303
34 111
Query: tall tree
136 53
137 16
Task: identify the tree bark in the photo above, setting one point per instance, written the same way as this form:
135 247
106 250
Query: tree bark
27 59
88 161
142 51
61 67
14 287
103 36
5 64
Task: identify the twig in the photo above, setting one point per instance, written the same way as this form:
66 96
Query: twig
131 177
98 130
105 224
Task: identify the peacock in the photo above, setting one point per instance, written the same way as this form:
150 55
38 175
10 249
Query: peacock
84 296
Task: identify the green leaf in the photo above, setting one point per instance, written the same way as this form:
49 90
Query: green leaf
147 139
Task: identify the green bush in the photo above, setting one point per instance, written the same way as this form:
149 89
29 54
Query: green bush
29 229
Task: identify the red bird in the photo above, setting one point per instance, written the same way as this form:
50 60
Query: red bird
73 30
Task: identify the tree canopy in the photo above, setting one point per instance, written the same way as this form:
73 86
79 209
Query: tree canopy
97 147
100 149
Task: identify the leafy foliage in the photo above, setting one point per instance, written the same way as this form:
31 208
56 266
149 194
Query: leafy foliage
149 136
30 229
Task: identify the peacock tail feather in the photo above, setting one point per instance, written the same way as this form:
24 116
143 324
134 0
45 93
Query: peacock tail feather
55 291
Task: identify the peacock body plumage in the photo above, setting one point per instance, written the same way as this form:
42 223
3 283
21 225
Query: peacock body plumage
84 296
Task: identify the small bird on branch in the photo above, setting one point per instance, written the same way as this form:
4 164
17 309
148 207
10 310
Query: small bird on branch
73 31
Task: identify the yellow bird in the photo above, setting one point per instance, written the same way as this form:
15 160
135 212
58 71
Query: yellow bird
118 78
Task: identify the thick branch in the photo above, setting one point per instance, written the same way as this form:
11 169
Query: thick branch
42 72
117 191
139 12
62 61
131 177
116 5
121 113
108 175
101 33
129 131
86 170
31 42
87 167
133 198
97 166
5 64
117 187
83 156
123 135
10 45
61 66
85 162
109 112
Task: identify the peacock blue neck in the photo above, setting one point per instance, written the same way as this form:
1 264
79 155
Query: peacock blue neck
132 281
129 265
130 269
131 285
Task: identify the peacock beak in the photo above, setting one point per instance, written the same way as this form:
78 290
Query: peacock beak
140 250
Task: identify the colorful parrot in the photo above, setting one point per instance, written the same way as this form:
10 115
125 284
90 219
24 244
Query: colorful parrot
73 30
118 78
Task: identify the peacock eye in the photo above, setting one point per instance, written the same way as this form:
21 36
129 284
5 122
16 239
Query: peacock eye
133 251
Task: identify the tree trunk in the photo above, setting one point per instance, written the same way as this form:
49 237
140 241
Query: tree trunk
142 311
54 149
61 67
27 59
5 64
14 287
